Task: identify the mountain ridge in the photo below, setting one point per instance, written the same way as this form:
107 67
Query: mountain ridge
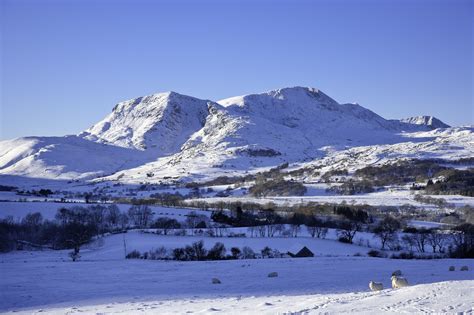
191 137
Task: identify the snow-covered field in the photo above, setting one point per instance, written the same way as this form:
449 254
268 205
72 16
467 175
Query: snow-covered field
384 198
334 281
113 246
450 297
48 281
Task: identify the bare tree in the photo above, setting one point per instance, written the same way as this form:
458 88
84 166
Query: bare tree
437 241
219 229
386 230
252 230
113 215
417 239
348 229
140 215
166 224
295 229
317 231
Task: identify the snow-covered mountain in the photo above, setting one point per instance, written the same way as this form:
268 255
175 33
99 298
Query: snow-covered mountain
429 121
172 135
160 123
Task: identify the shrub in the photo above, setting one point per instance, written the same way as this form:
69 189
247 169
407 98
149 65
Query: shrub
179 254
217 252
196 251
159 253
248 253
266 252
343 239
403 255
135 254
235 251
376 253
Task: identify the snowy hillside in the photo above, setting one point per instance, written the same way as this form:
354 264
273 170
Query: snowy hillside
184 138
48 282
160 123
429 121
61 158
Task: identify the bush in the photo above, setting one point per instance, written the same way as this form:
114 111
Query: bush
403 255
160 253
217 252
267 252
179 254
247 253
376 253
195 251
235 251
410 255
135 254
343 239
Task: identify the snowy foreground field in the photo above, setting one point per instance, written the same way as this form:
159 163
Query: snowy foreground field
334 281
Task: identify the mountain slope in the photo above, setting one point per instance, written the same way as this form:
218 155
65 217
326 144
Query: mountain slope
63 158
429 121
160 122
169 134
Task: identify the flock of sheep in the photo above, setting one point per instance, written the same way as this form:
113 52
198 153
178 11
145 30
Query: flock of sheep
399 282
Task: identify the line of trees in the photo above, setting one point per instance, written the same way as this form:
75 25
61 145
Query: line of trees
197 252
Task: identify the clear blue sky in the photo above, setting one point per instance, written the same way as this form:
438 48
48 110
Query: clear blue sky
66 63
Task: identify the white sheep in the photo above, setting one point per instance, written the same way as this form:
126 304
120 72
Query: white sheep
375 286
216 281
273 274
399 282
464 268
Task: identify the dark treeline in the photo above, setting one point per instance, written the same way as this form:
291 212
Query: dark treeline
76 226
197 252
71 228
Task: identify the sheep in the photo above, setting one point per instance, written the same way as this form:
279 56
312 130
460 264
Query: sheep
399 282
397 273
216 281
451 268
464 268
375 286
273 275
